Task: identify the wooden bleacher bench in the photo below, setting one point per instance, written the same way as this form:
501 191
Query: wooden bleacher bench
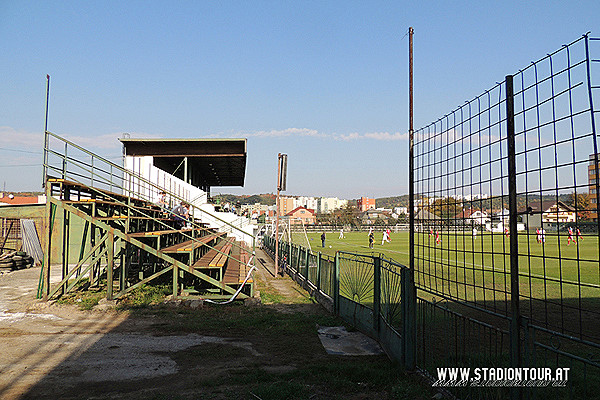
236 267
163 232
215 258
190 245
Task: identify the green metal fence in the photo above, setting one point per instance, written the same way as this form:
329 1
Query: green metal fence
371 292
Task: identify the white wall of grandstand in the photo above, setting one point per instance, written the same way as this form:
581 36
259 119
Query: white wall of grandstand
144 166
223 221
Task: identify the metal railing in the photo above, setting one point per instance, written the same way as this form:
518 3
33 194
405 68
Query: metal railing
371 292
64 159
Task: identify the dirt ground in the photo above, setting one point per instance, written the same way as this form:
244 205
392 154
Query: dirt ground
58 351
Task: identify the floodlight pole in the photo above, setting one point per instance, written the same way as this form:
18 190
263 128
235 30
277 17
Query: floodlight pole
281 185
410 330
45 164
277 216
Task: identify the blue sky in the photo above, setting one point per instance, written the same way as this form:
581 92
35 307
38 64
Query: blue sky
324 82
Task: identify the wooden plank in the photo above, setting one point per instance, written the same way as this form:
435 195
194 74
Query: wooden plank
163 232
190 245
204 261
221 258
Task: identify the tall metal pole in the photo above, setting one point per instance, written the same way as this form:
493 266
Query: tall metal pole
410 341
411 164
277 216
45 165
515 322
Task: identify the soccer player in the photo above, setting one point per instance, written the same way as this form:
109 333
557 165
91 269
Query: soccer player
438 239
341 233
570 238
537 235
474 233
579 235
385 237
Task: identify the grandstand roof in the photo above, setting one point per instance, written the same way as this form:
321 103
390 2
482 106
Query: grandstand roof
210 162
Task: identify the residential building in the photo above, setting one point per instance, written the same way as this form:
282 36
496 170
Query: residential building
401 210
310 203
541 212
364 203
10 199
301 215
473 216
286 204
369 216
329 204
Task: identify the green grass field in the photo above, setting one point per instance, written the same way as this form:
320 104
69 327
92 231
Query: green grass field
559 284
479 268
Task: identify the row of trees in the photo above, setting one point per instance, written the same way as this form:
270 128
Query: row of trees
351 216
449 207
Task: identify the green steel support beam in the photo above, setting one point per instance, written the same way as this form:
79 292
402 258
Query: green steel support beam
83 241
110 265
86 257
145 247
92 240
90 266
65 247
44 286
176 282
143 281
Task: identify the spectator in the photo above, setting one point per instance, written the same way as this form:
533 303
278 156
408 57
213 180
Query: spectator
180 215
162 200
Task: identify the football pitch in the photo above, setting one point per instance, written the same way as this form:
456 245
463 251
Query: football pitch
464 266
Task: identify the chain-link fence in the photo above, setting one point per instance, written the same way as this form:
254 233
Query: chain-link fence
506 242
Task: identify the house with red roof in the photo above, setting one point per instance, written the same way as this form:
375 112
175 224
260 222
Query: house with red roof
301 215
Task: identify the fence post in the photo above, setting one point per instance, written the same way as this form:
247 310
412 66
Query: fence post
376 293
306 268
288 264
336 284
515 322
409 321
318 283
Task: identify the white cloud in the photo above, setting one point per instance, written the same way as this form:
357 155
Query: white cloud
306 132
386 136
286 132
13 138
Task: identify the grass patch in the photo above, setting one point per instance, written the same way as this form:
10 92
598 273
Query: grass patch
144 297
83 296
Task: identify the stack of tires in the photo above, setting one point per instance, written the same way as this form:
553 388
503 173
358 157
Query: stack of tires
6 265
19 260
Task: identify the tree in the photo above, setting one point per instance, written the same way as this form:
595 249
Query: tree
581 203
446 208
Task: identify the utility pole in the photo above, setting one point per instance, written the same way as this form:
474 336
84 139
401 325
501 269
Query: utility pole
45 163
281 185
410 330
411 163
